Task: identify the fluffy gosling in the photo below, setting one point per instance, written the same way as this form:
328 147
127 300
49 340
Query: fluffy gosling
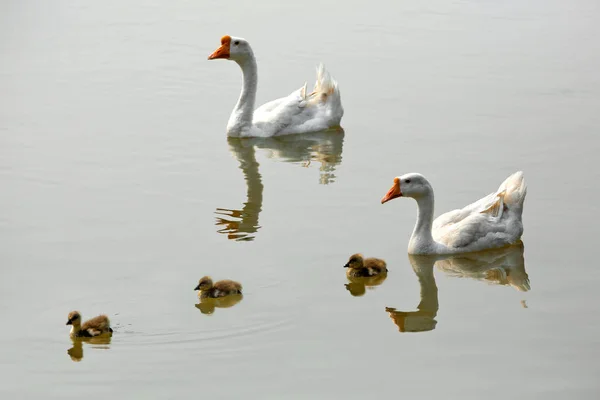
223 288
93 327
359 267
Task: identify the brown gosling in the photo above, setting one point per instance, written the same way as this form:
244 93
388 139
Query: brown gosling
223 288
93 327
359 267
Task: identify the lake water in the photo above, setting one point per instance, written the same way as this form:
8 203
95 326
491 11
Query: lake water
120 190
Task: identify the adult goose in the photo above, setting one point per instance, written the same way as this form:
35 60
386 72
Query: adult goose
491 222
299 112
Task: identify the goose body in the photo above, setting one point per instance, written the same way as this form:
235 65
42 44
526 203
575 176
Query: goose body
298 112
92 327
491 222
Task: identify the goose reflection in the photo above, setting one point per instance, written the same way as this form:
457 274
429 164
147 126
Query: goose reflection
504 266
99 342
324 148
207 305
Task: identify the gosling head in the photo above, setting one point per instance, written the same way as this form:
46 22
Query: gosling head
204 283
355 261
74 318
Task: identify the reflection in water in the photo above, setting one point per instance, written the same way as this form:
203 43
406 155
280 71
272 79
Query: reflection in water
497 267
99 342
504 266
323 147
358 285
423 319
241 224
207 305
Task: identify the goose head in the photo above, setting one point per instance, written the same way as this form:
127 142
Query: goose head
74 318
232 48
204 283
410 185
355 261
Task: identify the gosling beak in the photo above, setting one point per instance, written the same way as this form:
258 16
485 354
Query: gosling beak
197 287
69 322
223 51
393 192
347 265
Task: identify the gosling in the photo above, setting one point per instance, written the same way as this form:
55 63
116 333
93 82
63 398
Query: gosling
93 327
223 288
359 267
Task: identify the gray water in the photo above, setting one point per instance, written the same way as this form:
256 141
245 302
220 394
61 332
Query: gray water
120 190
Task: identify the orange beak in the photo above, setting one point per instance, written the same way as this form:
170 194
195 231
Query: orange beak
223 51
393 192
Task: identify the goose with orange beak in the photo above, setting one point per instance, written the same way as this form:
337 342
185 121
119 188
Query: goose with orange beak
299 112
491 222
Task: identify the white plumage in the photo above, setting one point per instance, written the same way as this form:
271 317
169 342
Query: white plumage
491 222
299 112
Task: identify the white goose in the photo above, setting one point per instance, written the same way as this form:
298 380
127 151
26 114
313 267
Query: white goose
297 113
491 222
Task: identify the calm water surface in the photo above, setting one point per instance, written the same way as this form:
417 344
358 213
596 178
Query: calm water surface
120 190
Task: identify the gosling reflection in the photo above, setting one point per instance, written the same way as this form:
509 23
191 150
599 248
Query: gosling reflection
358 285
324 148
363 273
76 352
504 266
207 305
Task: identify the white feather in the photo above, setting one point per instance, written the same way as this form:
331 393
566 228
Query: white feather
298 112
491 222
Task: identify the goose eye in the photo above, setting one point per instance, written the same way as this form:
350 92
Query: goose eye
407 181
236 42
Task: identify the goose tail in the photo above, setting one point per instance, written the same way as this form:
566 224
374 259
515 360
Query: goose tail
326 91
515 190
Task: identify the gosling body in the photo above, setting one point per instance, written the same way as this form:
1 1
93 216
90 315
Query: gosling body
359 267
223 288
96 326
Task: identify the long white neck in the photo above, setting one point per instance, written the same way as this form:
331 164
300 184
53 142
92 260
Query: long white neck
421 241
241 116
